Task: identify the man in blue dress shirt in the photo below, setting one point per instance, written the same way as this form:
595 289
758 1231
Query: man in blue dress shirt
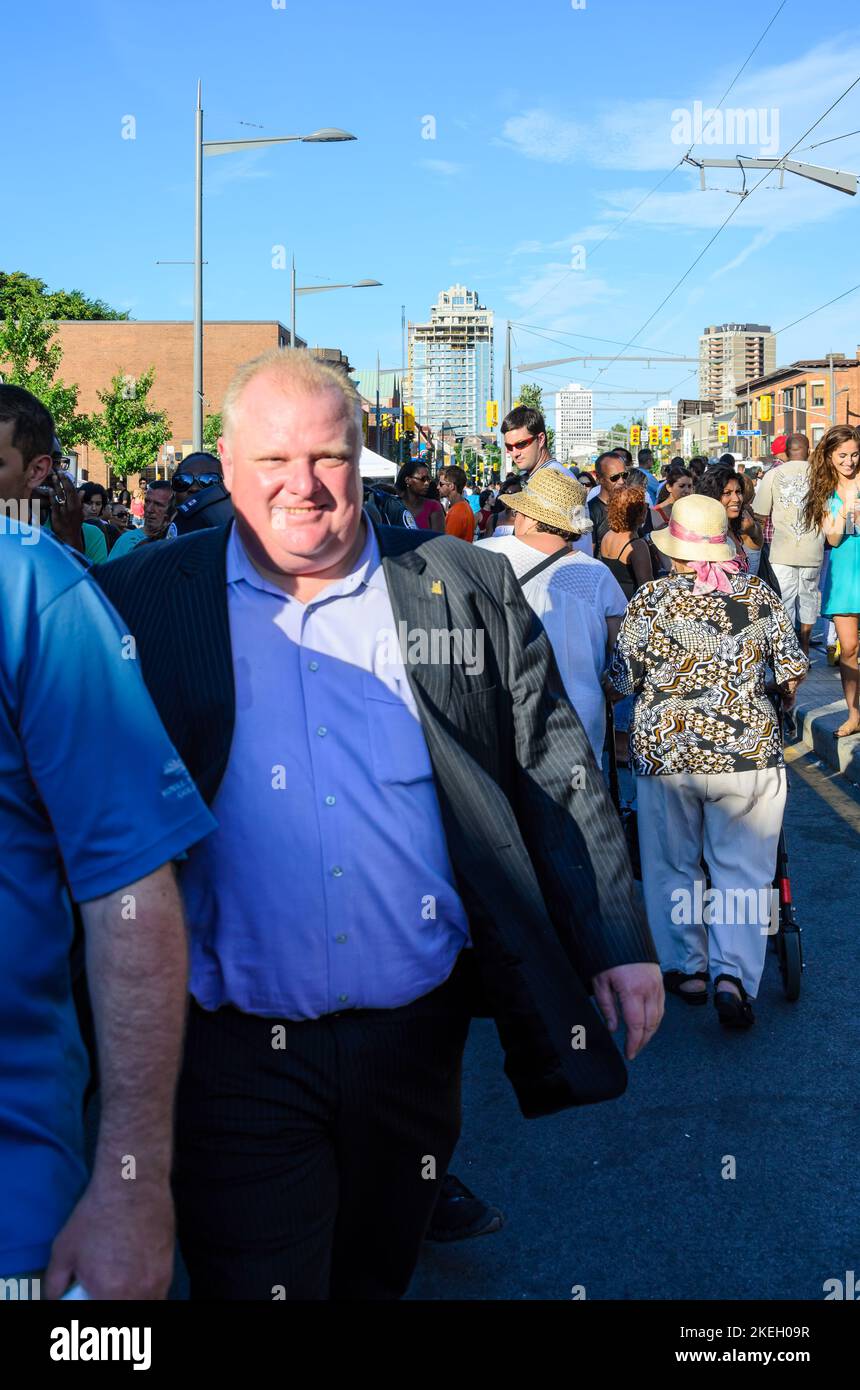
380 730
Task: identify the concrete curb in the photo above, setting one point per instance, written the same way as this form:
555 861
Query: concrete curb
817 724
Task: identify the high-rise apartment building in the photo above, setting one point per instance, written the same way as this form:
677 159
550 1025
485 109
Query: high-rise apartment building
731 354
573 422
450 376
663 413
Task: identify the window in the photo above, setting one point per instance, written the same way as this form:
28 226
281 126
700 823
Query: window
789 398
817 389
817 434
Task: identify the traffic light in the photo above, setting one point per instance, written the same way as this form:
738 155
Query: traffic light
667 435
635 436
765 407
492 414
408 419
722 434
653 436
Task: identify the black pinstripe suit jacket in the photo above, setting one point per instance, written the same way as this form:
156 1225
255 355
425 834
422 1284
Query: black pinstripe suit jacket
537 850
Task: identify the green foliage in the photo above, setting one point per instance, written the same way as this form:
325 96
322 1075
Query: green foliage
129 431
30 357
18 291
212 432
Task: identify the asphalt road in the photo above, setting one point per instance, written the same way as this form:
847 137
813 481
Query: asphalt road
627 1198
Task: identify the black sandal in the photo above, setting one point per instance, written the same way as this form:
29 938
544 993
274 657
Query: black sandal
673 979
733 1012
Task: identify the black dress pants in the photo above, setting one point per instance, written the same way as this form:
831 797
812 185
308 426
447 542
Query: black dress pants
310 1170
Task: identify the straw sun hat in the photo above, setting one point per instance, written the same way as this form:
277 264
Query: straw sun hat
555 498
697 530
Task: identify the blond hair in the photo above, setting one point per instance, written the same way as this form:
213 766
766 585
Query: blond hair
294 370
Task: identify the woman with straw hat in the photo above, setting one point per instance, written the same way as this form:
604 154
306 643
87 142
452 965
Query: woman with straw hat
695 648
574 595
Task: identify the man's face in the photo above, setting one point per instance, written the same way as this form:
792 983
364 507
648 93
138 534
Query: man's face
446 488
523 448
612 474
18 479
155 506
291 466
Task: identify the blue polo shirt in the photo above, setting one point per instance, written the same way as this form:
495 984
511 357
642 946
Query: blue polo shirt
68 813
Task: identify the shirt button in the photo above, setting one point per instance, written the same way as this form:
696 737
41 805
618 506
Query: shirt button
322 730
342 998
337 871
313 665
330 800
341 939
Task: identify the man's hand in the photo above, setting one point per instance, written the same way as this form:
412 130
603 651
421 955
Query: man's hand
67 519
639 989
118 1242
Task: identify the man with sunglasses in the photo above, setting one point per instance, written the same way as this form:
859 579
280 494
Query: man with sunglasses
198 486
524 433
610 471
157 511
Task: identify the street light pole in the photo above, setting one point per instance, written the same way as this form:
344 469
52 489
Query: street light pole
327 135
293 303
197 416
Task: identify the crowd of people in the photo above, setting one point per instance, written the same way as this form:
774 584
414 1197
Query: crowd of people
368 734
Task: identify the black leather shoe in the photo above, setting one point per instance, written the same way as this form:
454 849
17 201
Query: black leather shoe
733 1012
459 1214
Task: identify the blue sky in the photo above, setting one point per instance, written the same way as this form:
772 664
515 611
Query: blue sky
551 124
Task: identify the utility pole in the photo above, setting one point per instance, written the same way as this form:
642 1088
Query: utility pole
832 388
506 395
197 416
293 301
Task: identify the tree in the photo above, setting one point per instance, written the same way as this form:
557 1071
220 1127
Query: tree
17 289
533 395
129 432
30 357
212 432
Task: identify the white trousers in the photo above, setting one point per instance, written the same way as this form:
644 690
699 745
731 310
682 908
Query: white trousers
732 820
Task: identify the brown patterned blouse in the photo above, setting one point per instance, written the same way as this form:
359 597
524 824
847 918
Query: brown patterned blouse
697 664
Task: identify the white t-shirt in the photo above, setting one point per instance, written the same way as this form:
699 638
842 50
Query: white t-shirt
573 598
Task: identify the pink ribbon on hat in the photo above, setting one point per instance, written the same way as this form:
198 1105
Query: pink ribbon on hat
710 575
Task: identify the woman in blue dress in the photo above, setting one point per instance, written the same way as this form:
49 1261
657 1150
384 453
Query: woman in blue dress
833 505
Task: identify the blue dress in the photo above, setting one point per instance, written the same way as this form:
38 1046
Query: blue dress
842 586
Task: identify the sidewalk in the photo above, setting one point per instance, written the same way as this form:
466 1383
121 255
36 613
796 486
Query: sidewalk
820 711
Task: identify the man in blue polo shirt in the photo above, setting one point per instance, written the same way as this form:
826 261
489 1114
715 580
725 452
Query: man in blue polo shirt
70 823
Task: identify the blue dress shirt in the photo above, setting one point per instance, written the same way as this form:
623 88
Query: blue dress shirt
328 884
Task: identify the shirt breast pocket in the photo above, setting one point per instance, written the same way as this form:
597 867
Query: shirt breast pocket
398 749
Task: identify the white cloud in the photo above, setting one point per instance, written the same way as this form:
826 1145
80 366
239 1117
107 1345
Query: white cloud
639 134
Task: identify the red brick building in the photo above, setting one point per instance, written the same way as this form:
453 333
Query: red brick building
801 400
94 351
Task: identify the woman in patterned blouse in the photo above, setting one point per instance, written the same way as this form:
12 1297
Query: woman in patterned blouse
695 648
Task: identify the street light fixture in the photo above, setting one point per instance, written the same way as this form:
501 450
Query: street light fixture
318 289
327 135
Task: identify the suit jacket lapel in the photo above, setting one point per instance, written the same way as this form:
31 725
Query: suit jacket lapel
420 605
206 656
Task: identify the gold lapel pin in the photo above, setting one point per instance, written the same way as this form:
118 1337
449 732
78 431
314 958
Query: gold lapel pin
436 586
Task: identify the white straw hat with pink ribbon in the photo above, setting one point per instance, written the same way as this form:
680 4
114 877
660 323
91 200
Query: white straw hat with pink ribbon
698 534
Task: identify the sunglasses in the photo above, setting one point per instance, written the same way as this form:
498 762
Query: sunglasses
181 482
520 444
613 477
122 516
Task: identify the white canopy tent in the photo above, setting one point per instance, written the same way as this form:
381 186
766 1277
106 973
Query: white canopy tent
373 465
